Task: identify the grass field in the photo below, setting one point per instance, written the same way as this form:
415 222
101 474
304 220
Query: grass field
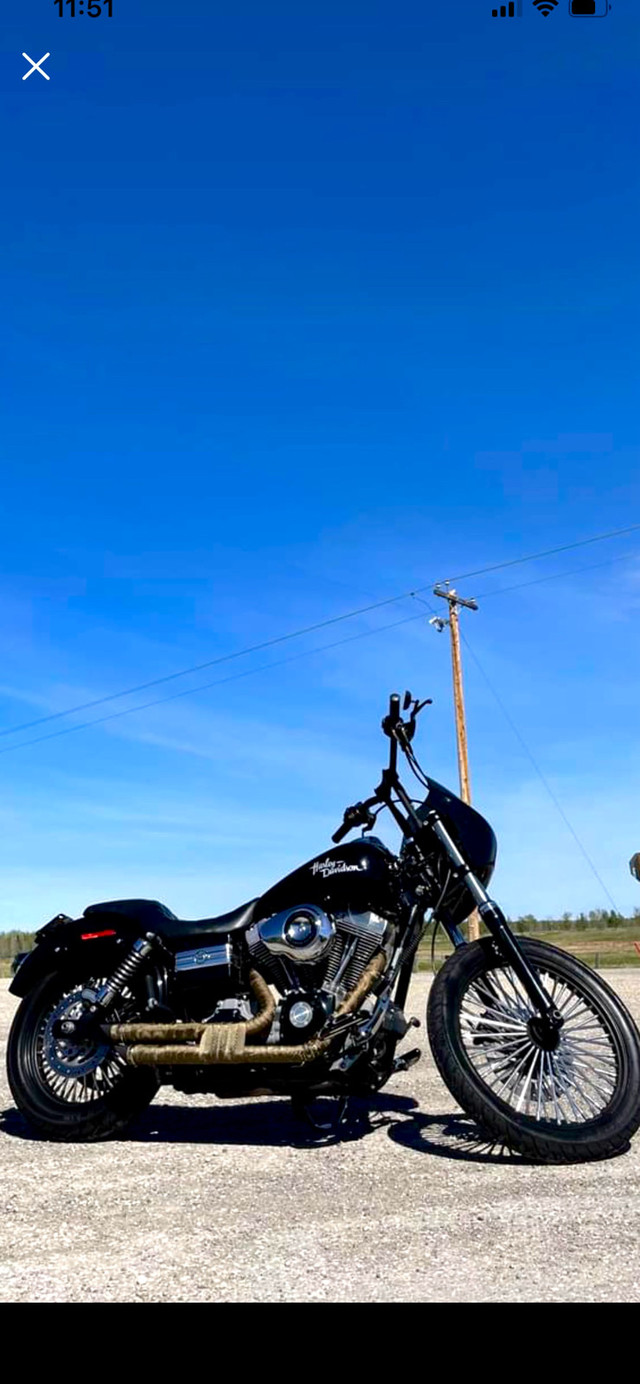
599 947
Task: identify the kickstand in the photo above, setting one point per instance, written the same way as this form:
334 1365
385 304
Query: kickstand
304 1110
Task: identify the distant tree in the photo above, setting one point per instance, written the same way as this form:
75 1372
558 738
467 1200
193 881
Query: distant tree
12 942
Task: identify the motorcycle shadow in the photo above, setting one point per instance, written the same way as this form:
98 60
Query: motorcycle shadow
252 1123
275 1124
265 1123
454 1136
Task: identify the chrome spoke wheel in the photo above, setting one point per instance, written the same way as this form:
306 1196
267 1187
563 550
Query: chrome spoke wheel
569 1084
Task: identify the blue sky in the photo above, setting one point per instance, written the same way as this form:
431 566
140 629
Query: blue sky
304 306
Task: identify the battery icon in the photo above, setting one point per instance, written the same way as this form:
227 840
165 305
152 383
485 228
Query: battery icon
596 8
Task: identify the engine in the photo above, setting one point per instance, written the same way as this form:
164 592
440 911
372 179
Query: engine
314 959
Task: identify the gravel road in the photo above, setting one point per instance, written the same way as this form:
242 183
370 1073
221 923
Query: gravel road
232 1202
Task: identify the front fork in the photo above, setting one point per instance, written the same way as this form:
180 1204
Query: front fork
496 923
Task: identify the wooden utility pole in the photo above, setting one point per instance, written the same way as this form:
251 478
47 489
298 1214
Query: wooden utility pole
455 602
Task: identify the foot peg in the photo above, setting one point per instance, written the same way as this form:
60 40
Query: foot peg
407 1060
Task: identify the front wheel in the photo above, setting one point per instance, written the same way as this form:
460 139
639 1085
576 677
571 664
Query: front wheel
70 1091
570 1103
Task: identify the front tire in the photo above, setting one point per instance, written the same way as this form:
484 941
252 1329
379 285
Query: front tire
573 1104
71 1094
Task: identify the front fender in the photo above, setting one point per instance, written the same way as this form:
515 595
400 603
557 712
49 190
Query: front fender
58 941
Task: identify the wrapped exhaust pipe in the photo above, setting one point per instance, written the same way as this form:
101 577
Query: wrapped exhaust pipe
192 1033
230 1043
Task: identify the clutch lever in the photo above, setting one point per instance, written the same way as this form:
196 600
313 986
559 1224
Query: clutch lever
405 730
360 815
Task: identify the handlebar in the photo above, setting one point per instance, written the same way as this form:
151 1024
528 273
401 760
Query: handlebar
400 733
358 815
392 718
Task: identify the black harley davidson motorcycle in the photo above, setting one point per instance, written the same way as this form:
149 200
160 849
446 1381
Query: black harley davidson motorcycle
302 993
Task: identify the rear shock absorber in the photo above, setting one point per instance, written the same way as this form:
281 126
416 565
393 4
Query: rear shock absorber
123 975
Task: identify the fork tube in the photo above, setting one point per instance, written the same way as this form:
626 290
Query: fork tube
496 923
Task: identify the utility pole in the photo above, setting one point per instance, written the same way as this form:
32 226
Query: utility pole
455 602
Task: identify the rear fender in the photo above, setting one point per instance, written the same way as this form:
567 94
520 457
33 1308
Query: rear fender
71 940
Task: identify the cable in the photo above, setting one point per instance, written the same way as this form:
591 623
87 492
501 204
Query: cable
233 677
534 762
542 777
544 781
308 629
558 576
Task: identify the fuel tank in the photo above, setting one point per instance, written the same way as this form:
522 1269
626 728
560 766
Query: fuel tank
360 875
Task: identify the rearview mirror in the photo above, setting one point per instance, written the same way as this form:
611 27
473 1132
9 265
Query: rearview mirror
634 865
407 701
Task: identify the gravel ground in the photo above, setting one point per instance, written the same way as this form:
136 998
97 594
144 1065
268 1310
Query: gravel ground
232 1202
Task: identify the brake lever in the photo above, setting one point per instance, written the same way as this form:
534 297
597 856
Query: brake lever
405 730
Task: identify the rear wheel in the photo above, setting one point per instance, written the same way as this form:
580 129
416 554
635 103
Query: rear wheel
68 1091
570 1102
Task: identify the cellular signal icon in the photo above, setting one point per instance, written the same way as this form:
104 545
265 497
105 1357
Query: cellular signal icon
546 7
508 11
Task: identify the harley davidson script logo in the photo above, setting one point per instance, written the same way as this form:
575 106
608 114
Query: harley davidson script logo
334 867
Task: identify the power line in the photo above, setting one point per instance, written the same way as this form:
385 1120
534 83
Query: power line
324 648
554 798
308 629
233 677
557 576
553 576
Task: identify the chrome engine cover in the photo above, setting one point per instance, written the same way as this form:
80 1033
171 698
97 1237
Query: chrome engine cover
358 936
302 934
331 962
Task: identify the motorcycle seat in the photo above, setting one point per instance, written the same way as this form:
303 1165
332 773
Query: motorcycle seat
152 916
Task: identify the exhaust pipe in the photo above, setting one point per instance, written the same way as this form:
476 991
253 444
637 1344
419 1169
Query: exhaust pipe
192 1033
174 1045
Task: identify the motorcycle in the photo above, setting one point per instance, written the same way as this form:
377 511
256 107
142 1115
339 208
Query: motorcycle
302 993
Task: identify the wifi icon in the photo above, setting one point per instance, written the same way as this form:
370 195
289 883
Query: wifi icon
546 7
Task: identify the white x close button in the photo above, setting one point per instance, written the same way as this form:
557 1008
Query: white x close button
36 67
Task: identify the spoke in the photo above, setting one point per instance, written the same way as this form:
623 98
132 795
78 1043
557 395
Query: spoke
514 1001
506 1063
508 1046
598 1063
527 1081
573 1027
585 1046
540 1087
575 1005
571 1084
553 1087
497 1026
564 1091
487 1012
580 1077
515 1074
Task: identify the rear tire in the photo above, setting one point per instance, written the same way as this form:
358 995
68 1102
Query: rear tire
578 1103
111 1094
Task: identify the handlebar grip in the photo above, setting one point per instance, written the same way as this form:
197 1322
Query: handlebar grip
341 832
394 709
352 818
